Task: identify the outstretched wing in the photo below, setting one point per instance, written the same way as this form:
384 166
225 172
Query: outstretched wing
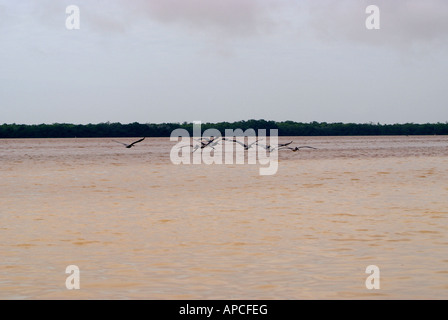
214 143
285 148
296 148
136 142
210 142
284 144
255 142
263 146
195 147
120 143
239 142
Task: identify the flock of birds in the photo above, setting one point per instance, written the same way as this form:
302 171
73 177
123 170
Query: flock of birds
214 141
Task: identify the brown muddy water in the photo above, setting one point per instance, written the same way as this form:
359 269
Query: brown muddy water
140 227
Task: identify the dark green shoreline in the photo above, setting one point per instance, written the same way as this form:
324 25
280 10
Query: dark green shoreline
285 128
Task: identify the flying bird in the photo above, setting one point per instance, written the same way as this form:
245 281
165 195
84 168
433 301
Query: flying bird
209 142
269 148
195 147
246 146
213 141
296 148
207 139
129 145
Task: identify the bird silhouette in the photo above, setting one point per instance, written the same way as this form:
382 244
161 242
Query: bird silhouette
270 148
129 145
246 146
295 149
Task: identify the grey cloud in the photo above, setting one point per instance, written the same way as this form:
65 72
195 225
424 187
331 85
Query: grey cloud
404 23
237 17
216 17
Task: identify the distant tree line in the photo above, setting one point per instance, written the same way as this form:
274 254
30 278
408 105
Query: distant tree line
285 128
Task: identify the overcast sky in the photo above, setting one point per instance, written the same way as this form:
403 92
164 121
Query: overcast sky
223 60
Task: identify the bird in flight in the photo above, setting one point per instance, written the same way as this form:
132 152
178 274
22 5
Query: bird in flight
246 146
195 147
209 142
269 148
296 148
129 145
